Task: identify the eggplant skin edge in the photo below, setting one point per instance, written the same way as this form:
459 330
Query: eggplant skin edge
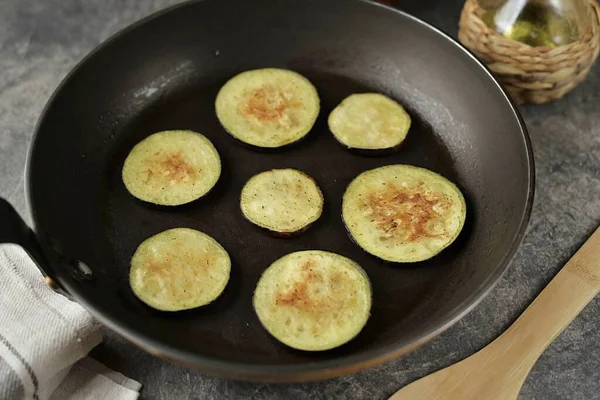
388 151
282 235
266 150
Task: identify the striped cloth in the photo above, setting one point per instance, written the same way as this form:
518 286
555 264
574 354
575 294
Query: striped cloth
45 339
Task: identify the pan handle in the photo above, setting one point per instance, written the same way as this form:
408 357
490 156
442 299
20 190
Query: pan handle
14 230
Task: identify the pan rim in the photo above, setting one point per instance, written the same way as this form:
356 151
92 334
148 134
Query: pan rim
306 371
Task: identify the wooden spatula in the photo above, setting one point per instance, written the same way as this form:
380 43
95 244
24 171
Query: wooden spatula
499 369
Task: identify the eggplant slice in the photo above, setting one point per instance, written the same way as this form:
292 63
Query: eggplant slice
403 213
179 269
369 121
171 168
283 201
313 300
268 107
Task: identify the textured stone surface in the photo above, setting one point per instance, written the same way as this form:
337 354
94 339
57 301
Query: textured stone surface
40 40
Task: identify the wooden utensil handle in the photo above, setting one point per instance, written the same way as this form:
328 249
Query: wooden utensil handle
566 295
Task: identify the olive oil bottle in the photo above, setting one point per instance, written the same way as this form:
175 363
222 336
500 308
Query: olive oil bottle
548 23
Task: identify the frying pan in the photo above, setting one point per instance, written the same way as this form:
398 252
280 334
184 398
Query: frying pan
164 72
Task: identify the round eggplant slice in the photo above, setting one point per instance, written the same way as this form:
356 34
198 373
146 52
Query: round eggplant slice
403 213
369 121
313 300
268 107
284 201
179 269
171 168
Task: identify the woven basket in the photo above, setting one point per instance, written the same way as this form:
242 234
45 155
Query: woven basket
531 74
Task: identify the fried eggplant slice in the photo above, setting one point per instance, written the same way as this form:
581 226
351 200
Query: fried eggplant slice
171 168
179 269
369 122
283 201
313 300
268 108
402 213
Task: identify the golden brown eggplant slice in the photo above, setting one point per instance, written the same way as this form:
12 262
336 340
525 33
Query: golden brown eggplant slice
403 213
283 201
369 122
268 107
171 168
179 269
313 300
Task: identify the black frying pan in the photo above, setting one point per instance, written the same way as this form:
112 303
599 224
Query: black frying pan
164 73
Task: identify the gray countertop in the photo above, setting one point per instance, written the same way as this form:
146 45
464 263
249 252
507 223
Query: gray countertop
41 40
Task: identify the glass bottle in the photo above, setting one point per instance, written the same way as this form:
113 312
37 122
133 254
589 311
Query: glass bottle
549 23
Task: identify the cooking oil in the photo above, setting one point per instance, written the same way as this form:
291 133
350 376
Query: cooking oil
549 23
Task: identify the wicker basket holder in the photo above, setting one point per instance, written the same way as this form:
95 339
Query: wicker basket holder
531 74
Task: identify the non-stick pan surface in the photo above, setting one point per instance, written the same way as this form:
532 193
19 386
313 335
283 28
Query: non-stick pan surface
164 73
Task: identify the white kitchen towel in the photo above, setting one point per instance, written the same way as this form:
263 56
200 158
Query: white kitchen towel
45 339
